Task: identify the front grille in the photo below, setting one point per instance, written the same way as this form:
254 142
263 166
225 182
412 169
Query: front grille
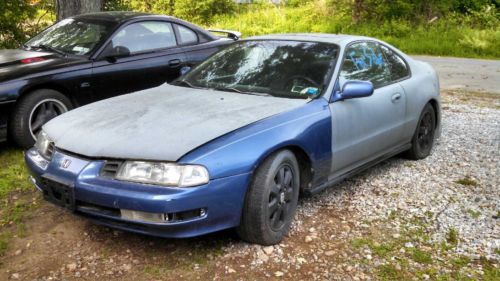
110 168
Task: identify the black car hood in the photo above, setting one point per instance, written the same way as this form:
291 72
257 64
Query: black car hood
14 56
13 67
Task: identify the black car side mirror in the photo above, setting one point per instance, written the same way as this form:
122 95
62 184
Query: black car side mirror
116 52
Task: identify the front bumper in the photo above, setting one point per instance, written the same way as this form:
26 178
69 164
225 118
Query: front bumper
101 198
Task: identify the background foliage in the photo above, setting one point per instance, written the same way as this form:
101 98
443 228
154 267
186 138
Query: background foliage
21 19
468 28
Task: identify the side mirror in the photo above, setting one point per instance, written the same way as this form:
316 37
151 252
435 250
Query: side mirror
353 90
116 52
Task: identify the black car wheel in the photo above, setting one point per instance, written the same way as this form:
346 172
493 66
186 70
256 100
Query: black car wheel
33 111
271 200
423 138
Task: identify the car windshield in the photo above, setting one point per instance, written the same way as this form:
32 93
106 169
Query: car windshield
289 69
71 36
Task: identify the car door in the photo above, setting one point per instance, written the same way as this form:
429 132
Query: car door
196 49
364 129
139 56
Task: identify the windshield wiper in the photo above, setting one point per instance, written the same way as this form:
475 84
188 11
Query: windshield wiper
229 89
49 48
186 83
232 89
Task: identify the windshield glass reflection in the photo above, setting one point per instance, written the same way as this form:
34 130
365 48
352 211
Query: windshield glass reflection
71 36
290 69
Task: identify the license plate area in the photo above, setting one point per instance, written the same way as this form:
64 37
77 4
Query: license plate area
59 193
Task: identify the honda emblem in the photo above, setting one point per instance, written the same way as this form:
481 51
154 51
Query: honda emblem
65 163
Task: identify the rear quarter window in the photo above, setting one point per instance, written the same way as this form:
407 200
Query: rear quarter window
187 36
399 69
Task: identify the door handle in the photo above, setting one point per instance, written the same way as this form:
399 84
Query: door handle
174 62
396 97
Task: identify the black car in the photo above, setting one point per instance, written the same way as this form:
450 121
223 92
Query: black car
92 57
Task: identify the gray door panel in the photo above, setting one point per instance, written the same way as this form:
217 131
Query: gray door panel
366 128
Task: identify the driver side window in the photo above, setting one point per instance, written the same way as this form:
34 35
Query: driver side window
145 36
364 61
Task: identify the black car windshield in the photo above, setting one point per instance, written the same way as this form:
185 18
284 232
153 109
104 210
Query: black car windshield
71 36
289 69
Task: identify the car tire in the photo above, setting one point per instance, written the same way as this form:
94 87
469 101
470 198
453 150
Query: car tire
32 111
423 138
271 200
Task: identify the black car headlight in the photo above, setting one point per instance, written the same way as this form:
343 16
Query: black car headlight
44 145
167 174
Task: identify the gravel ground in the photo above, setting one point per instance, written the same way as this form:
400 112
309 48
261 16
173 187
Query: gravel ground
455 190
435 219
468 149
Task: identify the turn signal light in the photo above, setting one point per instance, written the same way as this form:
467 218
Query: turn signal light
32 60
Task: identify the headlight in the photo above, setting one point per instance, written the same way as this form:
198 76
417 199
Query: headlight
163 173
44 145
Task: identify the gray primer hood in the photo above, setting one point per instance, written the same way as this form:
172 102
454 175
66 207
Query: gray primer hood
163 123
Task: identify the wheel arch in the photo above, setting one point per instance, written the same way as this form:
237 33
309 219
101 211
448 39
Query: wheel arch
49 86
435 105
303 159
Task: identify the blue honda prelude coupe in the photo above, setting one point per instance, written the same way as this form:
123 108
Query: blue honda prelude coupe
233 142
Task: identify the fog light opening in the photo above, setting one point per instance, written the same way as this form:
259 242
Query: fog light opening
163 217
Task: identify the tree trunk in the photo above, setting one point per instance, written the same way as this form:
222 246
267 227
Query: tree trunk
170 9
357 8
68 8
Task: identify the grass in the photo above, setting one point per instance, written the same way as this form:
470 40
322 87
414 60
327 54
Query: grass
13 172
389 272
15 188
460 262
467 181
16 196
449 36
491 272
426 259
421 256
4 243
452 236
473 214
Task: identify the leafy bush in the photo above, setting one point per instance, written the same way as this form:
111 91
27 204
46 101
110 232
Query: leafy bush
202 11
19 20
453 35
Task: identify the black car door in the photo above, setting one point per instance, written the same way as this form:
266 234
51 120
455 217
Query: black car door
196 47
141 55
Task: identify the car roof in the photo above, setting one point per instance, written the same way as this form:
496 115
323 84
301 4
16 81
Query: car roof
339 39
118 16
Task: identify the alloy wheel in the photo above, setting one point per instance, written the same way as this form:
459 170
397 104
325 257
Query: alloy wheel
43 112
